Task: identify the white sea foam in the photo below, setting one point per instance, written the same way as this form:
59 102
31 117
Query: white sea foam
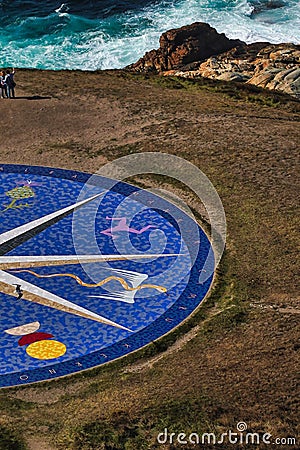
63 40
62 9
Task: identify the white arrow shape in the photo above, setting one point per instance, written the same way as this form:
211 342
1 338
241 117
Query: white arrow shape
13 238
16 262
35 294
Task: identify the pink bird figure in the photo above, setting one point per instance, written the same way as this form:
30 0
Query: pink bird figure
28 183
122 226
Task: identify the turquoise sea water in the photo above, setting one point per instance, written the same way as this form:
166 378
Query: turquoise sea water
107 34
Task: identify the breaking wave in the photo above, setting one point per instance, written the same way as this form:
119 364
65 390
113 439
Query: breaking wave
91 34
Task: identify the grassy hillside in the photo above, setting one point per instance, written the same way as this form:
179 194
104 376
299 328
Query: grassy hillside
237 358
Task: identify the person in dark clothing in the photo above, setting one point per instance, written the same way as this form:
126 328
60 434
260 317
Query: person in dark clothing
3 85
19 291
10 82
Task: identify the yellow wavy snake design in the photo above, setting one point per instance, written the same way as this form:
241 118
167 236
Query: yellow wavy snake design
101 283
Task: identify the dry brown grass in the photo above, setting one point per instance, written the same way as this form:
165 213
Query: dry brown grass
241 363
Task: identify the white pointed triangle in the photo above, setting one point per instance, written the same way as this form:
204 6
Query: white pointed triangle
46 298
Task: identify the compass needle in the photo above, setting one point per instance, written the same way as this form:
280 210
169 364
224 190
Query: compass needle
13 238
17 262
38 295
77 291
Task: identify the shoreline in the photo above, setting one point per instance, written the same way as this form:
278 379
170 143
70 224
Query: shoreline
198 51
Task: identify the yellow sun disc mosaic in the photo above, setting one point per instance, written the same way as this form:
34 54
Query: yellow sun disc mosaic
91 269
46 349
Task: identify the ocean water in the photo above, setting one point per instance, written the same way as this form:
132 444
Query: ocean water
107 34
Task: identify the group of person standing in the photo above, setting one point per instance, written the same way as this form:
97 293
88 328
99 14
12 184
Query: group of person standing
7 83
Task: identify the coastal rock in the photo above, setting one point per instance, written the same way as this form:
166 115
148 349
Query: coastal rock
180 47
270 66
259 6
198 50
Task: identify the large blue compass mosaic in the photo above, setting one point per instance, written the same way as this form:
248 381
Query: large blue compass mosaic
90 271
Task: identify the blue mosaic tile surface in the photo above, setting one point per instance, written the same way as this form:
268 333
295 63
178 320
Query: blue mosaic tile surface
29 193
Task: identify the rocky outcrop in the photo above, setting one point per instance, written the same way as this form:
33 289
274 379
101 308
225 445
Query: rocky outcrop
198 50
274 67
180 47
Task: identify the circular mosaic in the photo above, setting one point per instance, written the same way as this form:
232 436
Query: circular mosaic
90 270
